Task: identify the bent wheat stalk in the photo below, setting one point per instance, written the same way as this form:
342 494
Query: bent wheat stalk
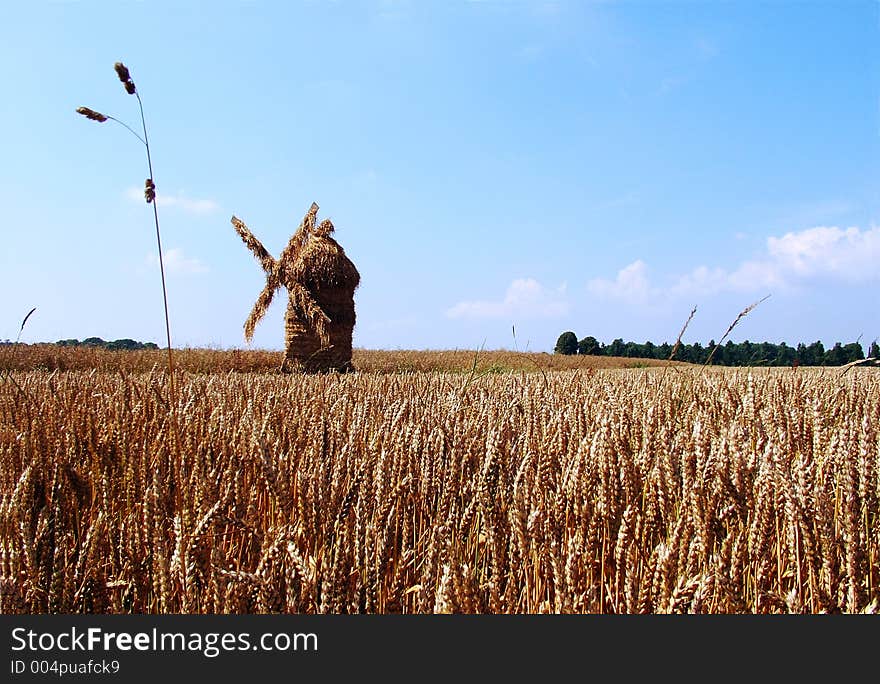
150 196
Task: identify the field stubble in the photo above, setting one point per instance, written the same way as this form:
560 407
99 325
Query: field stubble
617 491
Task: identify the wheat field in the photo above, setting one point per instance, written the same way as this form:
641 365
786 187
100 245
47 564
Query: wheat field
476 489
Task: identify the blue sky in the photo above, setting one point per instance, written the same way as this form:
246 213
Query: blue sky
601 167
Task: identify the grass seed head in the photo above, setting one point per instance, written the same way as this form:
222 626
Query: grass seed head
91 114
125 77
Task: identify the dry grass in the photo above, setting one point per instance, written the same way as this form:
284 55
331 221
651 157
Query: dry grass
572 491
50 357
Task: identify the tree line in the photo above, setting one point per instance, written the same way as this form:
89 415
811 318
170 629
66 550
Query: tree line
744 353
124 344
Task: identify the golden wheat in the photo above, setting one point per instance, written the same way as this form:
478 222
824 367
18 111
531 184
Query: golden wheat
747 491
49 357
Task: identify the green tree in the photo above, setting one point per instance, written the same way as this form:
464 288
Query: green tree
786 356
768 353
732 354
748 353
566 344
127 344
834 356
589 346
811 354
853 352
874 351
616 348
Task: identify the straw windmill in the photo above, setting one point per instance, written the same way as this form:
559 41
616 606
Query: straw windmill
321 282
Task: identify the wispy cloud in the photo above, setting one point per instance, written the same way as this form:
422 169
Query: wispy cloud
177 263
820 254
631 284
525 298
190 205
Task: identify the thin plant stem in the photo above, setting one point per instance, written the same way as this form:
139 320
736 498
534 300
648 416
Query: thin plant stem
742 314
8 368
675 346
133 132
146 142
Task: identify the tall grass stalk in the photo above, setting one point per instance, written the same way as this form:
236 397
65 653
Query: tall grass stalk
150 196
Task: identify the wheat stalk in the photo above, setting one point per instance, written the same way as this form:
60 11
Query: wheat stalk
150 197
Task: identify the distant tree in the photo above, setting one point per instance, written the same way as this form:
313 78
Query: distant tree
616 348
834 356
816 354
764 353
566 344
786 356
127 344
748 353
708 350
589 346
683 353
718 355
745 353
731 353
853 352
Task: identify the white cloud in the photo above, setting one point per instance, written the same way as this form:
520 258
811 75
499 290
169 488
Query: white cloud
851 255
631 284
796 258
177 263
525 298
190 205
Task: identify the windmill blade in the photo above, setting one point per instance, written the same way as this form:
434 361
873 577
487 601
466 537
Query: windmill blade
260 308
299 238
307 306
260 252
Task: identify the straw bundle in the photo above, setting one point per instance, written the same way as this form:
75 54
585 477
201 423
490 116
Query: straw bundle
320 280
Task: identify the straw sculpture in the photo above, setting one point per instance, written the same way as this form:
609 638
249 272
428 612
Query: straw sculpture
320 281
